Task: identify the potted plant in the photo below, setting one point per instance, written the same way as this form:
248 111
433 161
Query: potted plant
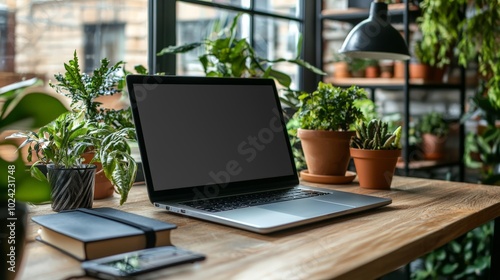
84 91
87 128
419 67
375 151
433 130
372 69
325 119
357 67
17 187
60 146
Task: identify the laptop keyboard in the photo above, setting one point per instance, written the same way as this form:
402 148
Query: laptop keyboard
253 199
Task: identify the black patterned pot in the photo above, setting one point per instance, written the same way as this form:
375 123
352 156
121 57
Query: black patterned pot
71 188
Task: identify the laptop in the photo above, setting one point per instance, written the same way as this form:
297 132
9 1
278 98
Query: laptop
217 149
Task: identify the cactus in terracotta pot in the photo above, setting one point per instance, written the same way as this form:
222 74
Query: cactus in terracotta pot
375 151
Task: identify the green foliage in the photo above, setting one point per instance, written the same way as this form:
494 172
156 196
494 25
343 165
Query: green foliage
227 56
114 154
291 127
459 26
433 123
467 257
358 64
487 144
330 108
375 135
82 89
17 112
87 127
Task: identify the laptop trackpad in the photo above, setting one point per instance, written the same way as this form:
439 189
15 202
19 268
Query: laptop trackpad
306 207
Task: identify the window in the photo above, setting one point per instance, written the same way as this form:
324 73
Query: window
6 35
272 27
103 40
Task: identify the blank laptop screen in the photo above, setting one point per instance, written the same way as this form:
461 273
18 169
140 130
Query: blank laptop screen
197 135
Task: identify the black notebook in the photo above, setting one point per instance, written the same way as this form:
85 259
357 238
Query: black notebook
94 233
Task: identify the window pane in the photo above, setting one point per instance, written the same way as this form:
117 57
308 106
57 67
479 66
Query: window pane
48 32
284 7
277 38
195 23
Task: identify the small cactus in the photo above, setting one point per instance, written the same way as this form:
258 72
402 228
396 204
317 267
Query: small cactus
374 135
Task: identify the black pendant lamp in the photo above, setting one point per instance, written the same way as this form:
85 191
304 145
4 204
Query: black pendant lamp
375 37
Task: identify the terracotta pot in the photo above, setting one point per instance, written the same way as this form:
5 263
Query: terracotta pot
103 186
372 72
420 71
358 73
399 70
326 152
386 70
375 168
433 146
341 70
438 74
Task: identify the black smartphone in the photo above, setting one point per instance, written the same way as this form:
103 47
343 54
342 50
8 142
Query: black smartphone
138 262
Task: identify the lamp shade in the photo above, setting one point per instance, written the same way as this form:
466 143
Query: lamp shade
375 38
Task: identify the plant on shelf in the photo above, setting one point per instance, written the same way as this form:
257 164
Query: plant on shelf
357 67
375 151
420 62
459 26
432 131
340 66
88 128
325 119
17 187
226 56
485 143
372 69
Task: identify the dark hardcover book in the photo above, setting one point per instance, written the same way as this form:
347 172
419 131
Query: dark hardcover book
94 233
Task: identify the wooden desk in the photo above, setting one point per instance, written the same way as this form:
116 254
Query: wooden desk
424 215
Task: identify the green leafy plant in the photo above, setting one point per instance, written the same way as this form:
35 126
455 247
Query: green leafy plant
359 64
87 127
17 112
83 89
330 108
466 257
227 56
432 123
375 135
63 142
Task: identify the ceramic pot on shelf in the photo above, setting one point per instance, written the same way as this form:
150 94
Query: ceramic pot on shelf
433 147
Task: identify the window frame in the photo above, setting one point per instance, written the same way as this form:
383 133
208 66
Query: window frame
162 16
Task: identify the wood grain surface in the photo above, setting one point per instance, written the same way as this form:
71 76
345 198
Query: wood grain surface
424 215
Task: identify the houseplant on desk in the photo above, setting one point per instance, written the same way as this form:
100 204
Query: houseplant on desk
325 118
87 128
375 151
60 146
84 91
